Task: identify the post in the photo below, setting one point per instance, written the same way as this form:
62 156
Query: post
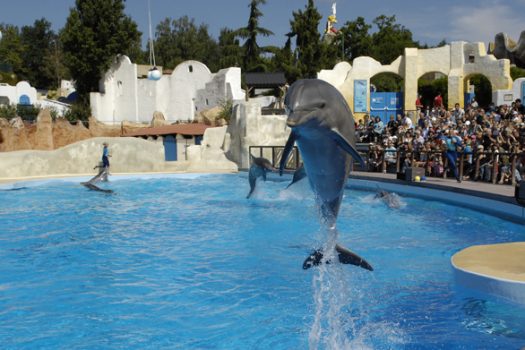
461 163
494 167
513 169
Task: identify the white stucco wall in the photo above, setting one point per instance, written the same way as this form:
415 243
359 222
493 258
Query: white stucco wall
248 127
501 97
458 61
189 88
128 155
210 154
13 93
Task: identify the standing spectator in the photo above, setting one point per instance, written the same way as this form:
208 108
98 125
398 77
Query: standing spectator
438 101
453 143
419 104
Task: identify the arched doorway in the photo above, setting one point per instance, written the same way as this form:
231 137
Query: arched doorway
429 85
24 100
386 98
479 88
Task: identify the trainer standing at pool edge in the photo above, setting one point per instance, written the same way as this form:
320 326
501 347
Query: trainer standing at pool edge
105 155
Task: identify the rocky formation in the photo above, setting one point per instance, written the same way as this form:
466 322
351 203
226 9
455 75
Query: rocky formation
49 134
504 47
211 117
158 119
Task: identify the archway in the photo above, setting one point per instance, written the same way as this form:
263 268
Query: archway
429 85
477 86
387 98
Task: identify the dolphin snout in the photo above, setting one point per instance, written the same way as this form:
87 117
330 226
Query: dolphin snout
293 119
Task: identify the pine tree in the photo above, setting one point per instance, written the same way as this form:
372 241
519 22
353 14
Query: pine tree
252 51
309 50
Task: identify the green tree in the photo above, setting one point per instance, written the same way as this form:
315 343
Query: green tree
309 50
284 61
181 39
357 39
11 49
516 73
40 48
95 32
390 40
230 53
252 51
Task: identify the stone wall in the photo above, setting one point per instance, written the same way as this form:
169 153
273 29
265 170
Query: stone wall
129 155
248 127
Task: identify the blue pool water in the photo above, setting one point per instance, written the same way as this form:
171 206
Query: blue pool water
187 262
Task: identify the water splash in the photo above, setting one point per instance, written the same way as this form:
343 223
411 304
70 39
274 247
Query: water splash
343 304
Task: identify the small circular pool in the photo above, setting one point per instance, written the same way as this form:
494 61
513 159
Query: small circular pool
188 262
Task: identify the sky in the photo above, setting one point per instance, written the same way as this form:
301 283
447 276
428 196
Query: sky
429 21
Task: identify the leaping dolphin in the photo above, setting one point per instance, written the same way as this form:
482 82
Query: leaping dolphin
260 166
101 176
323 128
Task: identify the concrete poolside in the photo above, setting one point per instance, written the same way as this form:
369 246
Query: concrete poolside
496 268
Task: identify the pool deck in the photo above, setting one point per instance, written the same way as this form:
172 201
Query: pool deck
496 268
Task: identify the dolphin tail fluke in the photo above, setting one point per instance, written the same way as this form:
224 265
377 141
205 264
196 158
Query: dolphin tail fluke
346 256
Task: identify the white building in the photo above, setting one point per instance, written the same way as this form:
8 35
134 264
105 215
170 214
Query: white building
190 88
21 93
506 97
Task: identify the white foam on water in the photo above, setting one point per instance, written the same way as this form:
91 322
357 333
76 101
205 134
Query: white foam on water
335 292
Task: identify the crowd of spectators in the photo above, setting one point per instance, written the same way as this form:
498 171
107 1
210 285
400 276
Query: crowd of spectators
485 141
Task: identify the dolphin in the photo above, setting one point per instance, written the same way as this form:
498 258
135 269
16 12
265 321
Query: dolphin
323 128
101 176
260 166
391 200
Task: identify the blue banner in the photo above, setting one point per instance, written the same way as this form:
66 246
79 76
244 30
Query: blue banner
360 96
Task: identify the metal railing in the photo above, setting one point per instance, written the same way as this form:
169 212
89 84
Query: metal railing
493 164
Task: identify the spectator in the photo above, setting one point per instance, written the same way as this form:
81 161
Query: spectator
438 101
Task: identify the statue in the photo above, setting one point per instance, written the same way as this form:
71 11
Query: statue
332 19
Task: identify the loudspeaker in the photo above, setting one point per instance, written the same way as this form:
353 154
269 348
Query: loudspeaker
519 192
412 172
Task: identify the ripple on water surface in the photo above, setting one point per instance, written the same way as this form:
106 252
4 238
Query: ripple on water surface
190 263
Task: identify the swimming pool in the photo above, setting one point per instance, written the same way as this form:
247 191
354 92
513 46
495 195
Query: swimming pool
187 262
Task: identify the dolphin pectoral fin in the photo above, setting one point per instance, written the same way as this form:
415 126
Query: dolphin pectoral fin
347 146
299 174
288 147
346 256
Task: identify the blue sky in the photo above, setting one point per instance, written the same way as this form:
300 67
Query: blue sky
470 20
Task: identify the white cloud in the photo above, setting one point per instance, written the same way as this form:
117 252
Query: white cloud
484 21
